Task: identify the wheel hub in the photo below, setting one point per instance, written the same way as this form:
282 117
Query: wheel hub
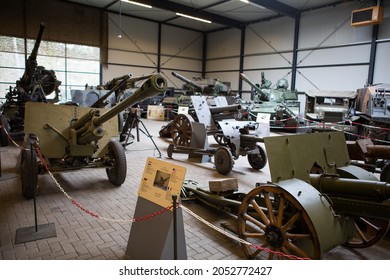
274 236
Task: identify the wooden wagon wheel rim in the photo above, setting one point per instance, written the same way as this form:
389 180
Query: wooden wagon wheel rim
182 130
276 226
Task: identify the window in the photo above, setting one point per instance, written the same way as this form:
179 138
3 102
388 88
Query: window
74 65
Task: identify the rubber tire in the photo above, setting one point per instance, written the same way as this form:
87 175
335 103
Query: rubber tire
29 173
257 161
385 173
117 174
223 160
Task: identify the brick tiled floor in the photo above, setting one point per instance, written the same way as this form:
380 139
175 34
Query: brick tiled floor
81 236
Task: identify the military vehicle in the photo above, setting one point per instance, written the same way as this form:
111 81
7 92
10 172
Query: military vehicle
35 85
280 104
78 137
373 109
330 110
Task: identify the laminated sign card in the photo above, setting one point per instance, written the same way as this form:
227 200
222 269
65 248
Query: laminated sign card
160 181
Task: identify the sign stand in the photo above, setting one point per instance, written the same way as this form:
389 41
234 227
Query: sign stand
162 236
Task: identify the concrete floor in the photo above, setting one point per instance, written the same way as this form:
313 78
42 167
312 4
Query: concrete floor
81 236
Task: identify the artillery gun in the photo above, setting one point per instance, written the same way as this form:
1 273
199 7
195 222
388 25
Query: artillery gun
35 84
237 138
281 104
77 137
316 200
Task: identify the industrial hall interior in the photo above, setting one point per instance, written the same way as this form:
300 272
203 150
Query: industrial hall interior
195 130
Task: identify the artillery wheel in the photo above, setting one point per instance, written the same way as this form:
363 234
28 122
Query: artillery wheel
221 139
29 173
385 173
257 161
368 231
223 160
276 226
182 130
170 150
116 173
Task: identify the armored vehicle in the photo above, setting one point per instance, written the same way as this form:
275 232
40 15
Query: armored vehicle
280 103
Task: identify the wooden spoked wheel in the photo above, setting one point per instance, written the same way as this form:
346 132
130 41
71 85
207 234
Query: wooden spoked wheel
221 139
275 226
368 231
182 130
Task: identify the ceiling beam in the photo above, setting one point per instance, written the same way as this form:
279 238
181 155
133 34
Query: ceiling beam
277 6
200 13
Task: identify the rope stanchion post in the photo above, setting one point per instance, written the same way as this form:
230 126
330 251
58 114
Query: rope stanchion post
174 198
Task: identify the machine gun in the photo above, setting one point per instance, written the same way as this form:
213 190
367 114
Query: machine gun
79 137
35 84
316 200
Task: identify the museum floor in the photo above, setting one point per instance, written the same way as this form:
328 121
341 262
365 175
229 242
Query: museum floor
82 236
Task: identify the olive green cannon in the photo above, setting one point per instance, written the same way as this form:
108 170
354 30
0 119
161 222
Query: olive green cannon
66 137
316 201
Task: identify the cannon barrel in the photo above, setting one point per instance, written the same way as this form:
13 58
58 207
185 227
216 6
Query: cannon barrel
151 87
229 108
31 62
88 127
259 90
351 187
187 81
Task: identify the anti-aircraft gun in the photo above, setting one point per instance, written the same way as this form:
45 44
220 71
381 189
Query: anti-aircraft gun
281 104
77 137
35 84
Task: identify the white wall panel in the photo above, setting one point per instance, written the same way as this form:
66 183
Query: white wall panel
331 78
132 58
268 61
382 63
137 35
271 36
223 64
224 43
344 55
331 26
181 42
181 63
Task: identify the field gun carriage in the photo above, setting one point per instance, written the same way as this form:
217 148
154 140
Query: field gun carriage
316 201
78 137
235 137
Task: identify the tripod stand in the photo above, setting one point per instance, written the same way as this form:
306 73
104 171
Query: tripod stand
133 121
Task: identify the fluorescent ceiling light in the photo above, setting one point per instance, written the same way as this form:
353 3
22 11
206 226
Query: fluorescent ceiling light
136 3
251 3
195 18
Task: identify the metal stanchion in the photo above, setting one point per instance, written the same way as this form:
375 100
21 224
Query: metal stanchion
174 197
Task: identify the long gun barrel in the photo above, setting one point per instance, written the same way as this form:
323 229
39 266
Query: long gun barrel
31 62
187 81
259 90
88 127
355 197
